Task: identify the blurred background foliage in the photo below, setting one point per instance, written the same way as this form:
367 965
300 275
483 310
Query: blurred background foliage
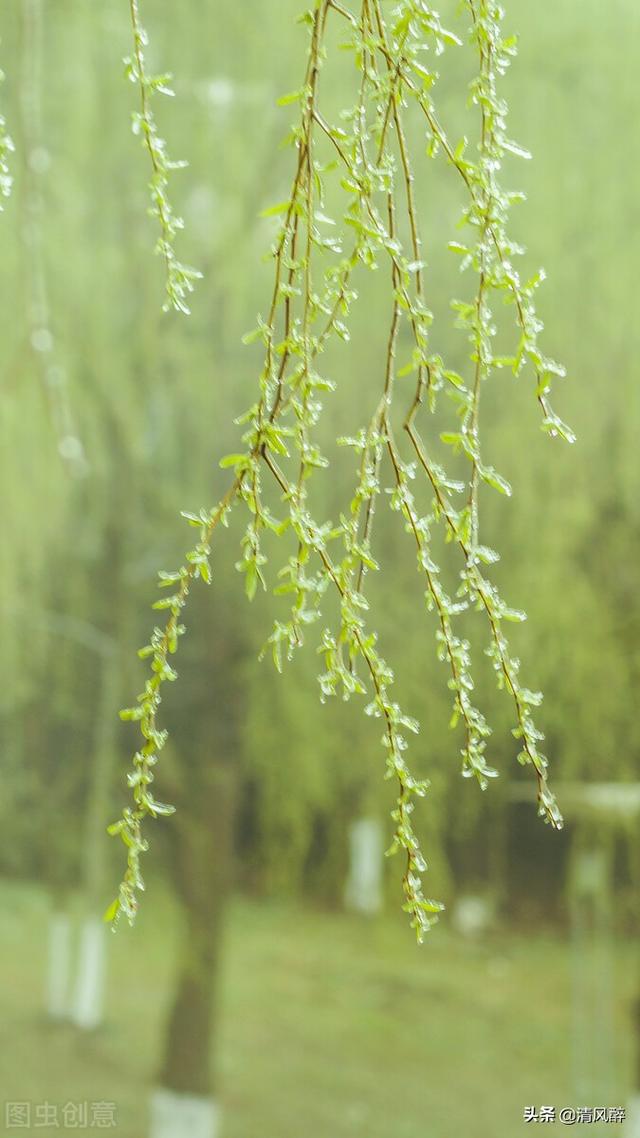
114 417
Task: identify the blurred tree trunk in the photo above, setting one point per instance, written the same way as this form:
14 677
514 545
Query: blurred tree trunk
183 1103
88 998
203 871
117 607
205 791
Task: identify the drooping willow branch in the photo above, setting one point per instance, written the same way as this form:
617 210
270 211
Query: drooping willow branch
315 263
6 149
179 278
37 159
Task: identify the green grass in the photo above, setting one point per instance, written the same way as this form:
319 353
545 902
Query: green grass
331 1026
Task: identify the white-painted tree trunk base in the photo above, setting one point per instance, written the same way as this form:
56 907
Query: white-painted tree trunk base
632 1127
88 997
176 1115
58 966
472 916
363 891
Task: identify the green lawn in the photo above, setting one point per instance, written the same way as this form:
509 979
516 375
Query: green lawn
332 1026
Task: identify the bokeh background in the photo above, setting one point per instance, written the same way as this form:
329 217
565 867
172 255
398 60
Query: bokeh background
250 975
